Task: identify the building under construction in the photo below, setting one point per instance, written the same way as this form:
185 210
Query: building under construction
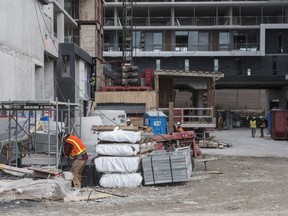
245 40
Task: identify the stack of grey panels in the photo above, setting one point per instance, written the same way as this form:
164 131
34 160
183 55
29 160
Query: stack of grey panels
167 167
46 150
45 142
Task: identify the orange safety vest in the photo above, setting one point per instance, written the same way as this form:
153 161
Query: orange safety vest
180 129
78 146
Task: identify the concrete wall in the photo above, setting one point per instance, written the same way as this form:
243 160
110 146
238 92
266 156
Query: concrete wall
87 39
240 99
22 50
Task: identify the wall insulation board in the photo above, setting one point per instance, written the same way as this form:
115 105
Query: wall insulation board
149 98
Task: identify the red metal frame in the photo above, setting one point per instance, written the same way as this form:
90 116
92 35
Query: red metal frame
124 88
184 139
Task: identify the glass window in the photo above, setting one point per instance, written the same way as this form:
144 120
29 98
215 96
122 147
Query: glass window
158 64
224 41
186 64
203 41
181 40
136 40
157 39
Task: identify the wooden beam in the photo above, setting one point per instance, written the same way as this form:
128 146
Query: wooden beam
87 197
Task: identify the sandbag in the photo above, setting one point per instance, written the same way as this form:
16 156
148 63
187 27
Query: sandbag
118 149
121 180
117 164
120 136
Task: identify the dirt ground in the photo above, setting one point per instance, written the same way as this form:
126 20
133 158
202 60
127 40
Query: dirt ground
247 186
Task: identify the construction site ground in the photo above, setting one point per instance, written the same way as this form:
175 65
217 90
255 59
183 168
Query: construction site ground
248 178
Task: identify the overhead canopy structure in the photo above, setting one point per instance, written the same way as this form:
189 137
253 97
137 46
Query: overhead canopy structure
167 80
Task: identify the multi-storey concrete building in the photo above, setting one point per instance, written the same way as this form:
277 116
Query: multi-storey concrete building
37 57
244 39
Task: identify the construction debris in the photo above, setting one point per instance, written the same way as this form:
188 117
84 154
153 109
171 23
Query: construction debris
211 143
29 189
32 171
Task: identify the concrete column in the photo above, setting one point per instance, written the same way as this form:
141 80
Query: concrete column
230 14
200 101
115 17
60 24
172 17
262 39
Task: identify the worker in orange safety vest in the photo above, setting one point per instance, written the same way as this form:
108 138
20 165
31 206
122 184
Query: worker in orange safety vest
178 127
74 147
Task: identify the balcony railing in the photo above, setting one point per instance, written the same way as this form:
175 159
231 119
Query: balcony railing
199 21
182 47
188 0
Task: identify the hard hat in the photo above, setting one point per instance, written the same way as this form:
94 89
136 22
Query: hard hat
261 117
128 120
178 123
61 135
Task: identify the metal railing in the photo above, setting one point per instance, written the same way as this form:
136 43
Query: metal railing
199 21
182 47
191 115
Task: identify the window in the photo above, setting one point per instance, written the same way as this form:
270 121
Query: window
224 41
181 40
187 64
83 83
198 41
157 40
136 40
216 65
158 64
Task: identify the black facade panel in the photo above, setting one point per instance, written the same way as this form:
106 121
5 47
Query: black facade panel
276 41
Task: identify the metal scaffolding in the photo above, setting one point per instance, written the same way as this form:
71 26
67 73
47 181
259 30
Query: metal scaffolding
26 119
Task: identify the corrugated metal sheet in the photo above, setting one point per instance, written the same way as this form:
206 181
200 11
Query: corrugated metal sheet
167 167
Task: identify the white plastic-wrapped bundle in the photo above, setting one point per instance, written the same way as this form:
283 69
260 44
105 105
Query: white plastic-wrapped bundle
117 164
117 149
120 136
121 180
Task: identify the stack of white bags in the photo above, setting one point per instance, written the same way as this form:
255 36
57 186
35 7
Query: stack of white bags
118 161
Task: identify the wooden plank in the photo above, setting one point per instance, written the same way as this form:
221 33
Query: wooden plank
205 159
112 127
43 170
86 197
14 170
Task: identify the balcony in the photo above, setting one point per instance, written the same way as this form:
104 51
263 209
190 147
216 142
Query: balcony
181 47
200 21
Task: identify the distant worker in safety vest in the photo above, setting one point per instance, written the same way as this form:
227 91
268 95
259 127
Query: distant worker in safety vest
262 125
128 123
75 148
93 85
253 126
178 127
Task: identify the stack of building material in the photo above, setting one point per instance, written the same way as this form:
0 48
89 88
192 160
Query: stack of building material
167 167
118 161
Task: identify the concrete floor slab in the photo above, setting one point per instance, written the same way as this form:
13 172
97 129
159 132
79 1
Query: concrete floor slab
244 145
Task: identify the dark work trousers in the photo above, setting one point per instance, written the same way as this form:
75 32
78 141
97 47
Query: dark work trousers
253 132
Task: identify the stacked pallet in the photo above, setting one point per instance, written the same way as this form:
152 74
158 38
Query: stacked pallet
208 144
212 144
167 167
